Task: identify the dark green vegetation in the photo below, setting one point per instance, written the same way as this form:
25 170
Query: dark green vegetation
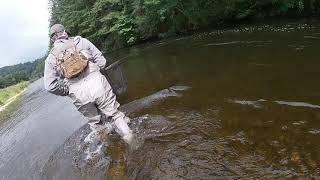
29 71
112 24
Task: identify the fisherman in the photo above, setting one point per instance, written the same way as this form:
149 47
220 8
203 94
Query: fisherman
73 69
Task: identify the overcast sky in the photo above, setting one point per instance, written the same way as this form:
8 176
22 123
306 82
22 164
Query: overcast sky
23 30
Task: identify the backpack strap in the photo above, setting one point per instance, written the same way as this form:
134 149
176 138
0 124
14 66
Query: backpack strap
55 51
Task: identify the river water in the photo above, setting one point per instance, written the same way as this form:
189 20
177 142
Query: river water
253 109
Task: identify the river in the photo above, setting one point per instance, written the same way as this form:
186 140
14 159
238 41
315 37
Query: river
253 111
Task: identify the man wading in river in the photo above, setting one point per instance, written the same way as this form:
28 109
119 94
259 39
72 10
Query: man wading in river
73 69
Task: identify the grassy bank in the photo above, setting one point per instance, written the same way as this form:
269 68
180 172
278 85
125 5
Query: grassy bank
7 112
8 103
11 91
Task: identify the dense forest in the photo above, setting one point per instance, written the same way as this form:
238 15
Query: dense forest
29 71
112 24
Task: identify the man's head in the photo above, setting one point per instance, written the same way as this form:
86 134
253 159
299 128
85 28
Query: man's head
56 31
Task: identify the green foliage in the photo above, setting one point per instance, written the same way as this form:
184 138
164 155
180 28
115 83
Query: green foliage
264 8
5 95
29 71
112 24
8 111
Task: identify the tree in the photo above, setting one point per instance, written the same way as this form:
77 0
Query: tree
112 24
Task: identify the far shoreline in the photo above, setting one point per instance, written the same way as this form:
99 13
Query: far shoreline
12 99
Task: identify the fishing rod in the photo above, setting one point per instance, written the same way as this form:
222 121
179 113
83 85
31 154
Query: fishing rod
114 64
124 59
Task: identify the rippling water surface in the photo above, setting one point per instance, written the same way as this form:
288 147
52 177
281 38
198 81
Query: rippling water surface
252 110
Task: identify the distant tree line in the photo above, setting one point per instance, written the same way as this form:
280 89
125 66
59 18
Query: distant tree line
112 24
29 71
311 7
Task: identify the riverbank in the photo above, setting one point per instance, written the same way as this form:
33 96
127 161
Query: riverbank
10 101
9 94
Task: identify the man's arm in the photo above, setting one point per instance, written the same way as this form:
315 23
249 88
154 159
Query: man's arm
97 56
52 81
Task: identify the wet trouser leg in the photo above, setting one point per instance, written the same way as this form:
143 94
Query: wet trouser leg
108 105
93 95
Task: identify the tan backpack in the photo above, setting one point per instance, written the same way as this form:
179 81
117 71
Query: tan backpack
70 61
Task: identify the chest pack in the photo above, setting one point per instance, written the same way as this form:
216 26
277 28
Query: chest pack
70 62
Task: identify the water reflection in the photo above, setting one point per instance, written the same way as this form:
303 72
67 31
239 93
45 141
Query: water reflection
252 111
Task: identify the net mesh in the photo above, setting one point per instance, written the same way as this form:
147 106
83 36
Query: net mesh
117 79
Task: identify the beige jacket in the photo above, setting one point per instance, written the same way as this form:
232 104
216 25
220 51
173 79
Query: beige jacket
54 81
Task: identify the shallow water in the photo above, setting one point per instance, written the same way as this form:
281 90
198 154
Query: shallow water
252 110
34 131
